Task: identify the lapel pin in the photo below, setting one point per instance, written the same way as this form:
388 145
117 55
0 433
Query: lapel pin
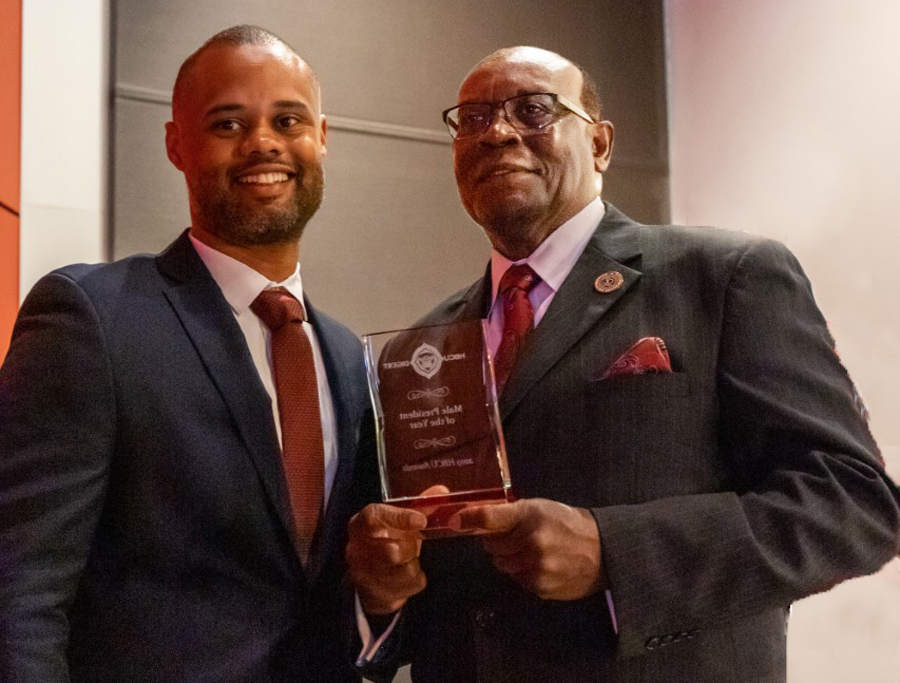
609 282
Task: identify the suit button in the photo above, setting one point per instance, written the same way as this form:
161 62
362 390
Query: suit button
485 617
652 643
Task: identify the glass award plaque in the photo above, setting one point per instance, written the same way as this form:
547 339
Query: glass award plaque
440 443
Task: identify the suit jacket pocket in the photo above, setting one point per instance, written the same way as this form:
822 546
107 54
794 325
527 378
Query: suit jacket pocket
641 387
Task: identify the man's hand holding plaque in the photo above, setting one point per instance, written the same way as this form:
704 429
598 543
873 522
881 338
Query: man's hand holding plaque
548 548
383 556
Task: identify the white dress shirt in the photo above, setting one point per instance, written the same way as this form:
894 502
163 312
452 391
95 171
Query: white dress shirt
240 285
553 260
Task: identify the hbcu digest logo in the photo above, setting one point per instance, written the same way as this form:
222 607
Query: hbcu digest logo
425 361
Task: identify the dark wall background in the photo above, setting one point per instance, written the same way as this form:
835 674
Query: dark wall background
391 239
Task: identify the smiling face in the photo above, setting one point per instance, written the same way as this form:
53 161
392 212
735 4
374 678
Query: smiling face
521 187
248 135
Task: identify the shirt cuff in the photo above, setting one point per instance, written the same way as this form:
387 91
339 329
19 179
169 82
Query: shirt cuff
370 645
609 604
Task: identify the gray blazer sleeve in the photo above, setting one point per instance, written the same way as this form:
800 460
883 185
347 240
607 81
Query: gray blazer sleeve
813 505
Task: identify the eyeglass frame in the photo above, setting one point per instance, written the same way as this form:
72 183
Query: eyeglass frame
557 99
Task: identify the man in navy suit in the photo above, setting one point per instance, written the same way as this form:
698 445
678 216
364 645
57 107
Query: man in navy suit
147 527
687 450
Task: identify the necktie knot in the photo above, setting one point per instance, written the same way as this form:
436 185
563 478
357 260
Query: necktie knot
277 307
518 277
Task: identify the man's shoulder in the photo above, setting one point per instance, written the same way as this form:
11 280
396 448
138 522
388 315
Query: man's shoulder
334 329
679 238
89 274
177 262
705 237
456 307
715 250
98 280
129 282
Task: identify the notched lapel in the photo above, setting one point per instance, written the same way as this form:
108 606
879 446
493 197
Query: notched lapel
215 334
477 299
578 305
347 396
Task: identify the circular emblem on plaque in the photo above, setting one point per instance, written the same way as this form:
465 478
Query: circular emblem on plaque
426 361
609 282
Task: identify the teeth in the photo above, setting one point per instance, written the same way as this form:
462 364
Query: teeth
264 178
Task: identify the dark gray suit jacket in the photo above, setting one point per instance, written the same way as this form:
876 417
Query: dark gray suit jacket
742 481
145 531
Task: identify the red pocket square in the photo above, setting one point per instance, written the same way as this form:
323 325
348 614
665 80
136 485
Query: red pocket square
647 355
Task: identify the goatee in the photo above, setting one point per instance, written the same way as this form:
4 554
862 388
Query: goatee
245 224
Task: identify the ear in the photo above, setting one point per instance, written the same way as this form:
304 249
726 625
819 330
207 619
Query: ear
603 145
173 145
323 130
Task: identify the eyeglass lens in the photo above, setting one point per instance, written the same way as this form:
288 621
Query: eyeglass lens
525 113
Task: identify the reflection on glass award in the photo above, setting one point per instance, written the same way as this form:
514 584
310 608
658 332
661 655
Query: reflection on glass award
440 444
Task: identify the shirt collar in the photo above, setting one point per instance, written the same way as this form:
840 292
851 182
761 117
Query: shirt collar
555 257
240 284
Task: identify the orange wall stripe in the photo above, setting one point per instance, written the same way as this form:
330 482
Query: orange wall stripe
9 276
10 146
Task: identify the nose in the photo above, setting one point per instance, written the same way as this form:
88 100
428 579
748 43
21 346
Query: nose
263 140
499 131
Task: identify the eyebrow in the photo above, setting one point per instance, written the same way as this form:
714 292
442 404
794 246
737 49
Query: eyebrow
521 93
228 107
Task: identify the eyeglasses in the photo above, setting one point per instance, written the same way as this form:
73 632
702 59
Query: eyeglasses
528 114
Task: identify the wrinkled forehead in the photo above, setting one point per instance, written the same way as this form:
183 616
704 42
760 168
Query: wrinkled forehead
523 71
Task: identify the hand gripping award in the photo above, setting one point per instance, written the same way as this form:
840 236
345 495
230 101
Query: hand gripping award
440 443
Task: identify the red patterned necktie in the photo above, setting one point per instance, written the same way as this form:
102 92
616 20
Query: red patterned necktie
298 407
518 318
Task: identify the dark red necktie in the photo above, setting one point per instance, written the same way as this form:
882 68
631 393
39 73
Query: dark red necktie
518 318
298 407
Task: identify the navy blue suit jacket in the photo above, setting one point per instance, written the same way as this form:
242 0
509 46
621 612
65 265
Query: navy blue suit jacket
145 532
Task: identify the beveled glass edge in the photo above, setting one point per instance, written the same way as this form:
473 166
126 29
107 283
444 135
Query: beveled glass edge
491 405
378 410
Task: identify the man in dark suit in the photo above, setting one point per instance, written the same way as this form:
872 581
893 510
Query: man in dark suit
162 515
687 449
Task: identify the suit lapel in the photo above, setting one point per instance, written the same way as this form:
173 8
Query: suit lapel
208 321
477 300
577 306
345 396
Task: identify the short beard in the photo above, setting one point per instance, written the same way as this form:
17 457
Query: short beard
225 216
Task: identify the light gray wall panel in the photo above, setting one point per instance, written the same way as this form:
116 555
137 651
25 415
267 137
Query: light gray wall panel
150 206
391 213
383 257
377 258
403 60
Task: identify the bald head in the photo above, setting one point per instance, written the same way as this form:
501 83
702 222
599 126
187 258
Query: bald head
590 100
235 36
521 183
